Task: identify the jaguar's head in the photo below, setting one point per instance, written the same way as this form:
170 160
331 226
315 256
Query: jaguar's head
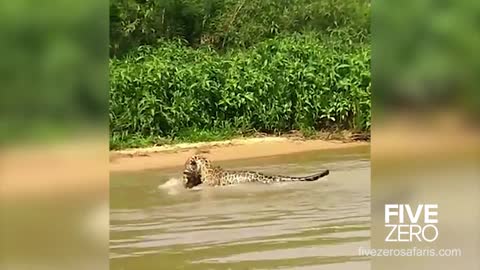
196 167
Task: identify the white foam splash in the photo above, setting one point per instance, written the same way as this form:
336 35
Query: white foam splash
173 186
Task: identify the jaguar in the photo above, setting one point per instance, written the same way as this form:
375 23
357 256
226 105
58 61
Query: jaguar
200 170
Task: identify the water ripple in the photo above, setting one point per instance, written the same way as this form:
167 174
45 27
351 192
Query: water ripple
294 226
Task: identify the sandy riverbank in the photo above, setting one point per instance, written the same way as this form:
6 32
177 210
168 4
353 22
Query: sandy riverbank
175 155
81 168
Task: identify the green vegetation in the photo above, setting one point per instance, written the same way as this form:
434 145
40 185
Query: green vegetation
225 24
275 66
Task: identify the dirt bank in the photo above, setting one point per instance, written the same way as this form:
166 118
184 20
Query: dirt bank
175 155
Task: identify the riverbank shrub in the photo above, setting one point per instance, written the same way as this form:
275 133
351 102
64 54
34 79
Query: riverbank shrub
225 24
300 81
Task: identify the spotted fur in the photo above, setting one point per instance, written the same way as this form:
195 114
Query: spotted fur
199 170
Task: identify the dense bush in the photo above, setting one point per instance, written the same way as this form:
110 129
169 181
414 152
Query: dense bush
294 82
229 23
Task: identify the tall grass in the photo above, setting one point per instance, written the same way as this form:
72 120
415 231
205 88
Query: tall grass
295 82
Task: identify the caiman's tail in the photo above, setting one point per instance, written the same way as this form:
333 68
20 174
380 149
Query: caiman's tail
313 177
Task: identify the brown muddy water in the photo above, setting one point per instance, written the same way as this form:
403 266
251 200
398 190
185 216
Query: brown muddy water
156 224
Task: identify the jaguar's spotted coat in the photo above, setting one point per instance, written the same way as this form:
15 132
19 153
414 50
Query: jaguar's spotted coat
199 170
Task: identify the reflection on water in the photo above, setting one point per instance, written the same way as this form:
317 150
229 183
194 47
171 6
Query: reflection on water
156 224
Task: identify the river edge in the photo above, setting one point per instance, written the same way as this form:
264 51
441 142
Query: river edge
168 156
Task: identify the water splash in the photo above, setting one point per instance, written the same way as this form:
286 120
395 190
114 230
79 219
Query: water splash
173 186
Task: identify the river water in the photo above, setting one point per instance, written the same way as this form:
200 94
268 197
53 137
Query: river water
156 224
